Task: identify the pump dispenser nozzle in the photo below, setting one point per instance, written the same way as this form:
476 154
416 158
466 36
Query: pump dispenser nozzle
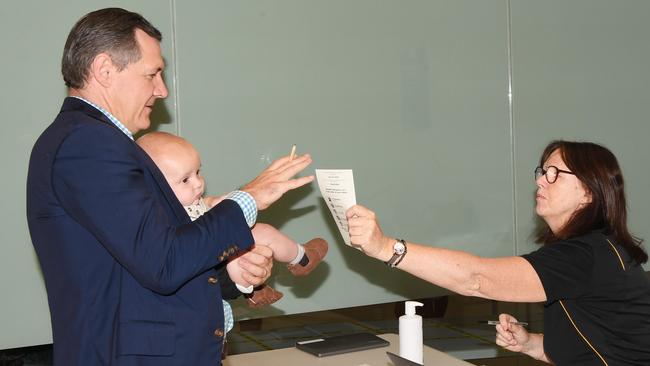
409 307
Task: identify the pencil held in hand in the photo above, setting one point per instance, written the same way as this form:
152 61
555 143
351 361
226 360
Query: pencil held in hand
495 322
293 152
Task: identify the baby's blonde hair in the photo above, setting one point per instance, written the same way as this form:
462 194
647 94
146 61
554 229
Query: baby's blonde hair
164 146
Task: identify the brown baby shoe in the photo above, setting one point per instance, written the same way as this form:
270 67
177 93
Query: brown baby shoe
262 296
315 251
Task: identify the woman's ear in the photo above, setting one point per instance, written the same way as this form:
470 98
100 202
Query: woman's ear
587 198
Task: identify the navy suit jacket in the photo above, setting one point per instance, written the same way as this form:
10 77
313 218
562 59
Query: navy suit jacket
130 280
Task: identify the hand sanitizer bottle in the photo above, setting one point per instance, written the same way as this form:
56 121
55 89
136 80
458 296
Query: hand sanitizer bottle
410 333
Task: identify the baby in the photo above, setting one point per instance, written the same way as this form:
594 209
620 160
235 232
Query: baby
180 163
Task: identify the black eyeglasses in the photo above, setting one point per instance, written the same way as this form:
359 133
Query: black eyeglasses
550 173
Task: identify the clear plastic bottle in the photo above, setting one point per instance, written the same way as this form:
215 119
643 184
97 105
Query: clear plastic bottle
410 333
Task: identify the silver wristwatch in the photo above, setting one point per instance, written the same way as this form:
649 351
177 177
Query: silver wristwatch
399 251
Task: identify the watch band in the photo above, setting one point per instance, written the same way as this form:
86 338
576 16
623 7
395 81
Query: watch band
397 257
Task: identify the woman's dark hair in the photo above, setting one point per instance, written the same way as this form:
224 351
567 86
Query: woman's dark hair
110 30
598 170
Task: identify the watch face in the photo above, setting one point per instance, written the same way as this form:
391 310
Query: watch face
399 247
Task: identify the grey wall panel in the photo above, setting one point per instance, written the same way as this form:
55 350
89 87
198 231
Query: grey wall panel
580 71
32 34
412 96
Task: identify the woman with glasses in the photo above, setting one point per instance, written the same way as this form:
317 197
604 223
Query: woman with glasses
587 272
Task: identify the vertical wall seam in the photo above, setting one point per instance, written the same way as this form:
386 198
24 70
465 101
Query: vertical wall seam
177 106
511 121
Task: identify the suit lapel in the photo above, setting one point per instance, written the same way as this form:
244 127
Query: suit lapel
164 187
74 104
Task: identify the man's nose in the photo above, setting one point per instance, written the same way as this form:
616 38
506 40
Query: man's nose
160 89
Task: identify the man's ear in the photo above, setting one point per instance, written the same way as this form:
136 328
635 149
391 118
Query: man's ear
102 69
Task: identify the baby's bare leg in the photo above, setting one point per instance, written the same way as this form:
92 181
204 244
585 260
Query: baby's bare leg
284 248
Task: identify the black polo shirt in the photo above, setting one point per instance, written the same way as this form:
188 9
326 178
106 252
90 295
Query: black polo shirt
598 302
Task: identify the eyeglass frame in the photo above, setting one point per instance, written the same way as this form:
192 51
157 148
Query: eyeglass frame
539 171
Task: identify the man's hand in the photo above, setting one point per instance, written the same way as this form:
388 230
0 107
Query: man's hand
275 180
256 264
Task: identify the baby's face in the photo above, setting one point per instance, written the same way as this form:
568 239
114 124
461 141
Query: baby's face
183 173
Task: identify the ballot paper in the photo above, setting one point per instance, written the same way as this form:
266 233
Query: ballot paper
337 188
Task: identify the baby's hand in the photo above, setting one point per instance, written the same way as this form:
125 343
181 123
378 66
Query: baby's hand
212 201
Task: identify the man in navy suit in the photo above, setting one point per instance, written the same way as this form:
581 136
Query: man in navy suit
130 279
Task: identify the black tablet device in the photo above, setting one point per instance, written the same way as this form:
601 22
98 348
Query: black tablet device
401 361
341 344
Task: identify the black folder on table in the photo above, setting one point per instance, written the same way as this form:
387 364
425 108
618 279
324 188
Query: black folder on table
341 344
